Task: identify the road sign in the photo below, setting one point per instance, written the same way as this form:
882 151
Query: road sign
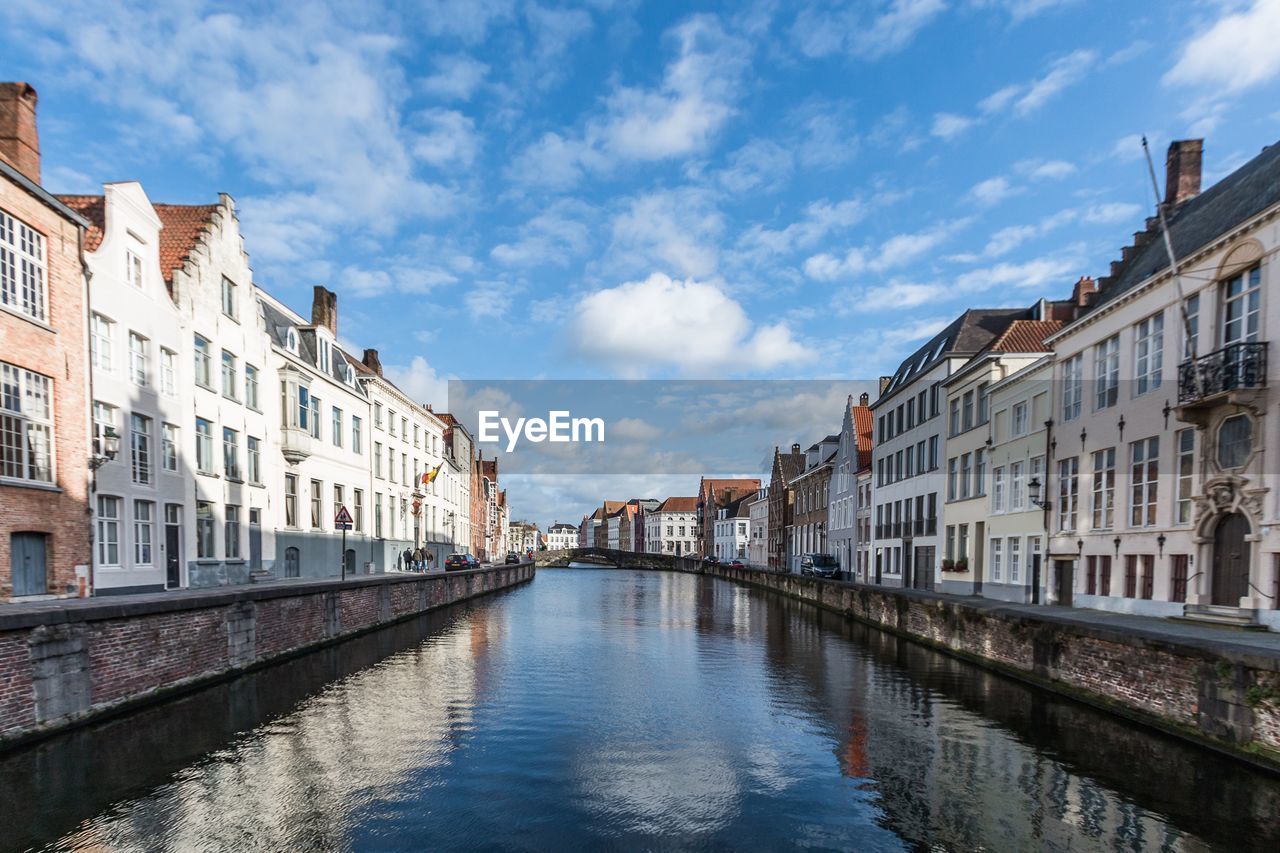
342 519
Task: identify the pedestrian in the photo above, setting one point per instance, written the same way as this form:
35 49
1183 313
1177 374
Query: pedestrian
407 556
418 560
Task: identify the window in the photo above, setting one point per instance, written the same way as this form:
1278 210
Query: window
377 515
104 419
26 425
138 368
142 527
339 498
1068 492
1017 486
953 421
169 447
1241 307
966 410
1185 441
140 449
290 500
997 569
1148 352
204 446
1072 387
133 268
204 364
1235 441
966 474
231 533
101 334
315 416
251 386
377 459
1018 420
1106 372
291 341
377 415
336 430
391 421
255 461
204 531
953 468
22 268
357 509
229 297
303 408
1015 559
168 372
933 452
231 453
108 531
357 435
228 375
317 504
983 402
325 353
979 473
997 489
1104 489
404 428
1191 326
391 464
1145 457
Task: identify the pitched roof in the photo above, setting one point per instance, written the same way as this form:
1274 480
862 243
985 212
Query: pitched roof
1200 220
791 464
94 209
1025 336
678 505
183 226
863 423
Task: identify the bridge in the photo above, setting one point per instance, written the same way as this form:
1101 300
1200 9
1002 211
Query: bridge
606 557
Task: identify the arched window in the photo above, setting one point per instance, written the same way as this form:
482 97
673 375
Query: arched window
292 564
1235 442
291 341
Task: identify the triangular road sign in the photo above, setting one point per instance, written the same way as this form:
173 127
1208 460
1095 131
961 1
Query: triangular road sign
342 517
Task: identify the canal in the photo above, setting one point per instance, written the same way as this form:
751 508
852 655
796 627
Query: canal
611 709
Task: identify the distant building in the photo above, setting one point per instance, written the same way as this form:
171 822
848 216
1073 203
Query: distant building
786 466
713 494
758 528
732 528
812 490
561 536
672 528
852 456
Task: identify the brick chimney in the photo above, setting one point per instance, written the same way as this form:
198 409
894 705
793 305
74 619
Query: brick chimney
19 143
795 448
1082 293
324 308
372 362
864 399
1182 171
884 383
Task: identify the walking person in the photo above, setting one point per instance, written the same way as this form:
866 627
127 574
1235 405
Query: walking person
407 556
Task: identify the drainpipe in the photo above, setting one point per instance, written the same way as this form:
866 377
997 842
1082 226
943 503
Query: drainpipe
1045 510
88 413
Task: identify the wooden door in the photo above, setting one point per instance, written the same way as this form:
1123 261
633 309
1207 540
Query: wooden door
1231 560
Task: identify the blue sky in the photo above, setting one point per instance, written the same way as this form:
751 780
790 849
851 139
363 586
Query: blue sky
512 189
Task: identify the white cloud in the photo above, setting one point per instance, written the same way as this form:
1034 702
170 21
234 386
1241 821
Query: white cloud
490 299
670 229
634 429
695 327
820 219
420 381
1029 274
899 250
467 20
867 33
1020 10
992 191
1237 52
761 165
897 295
1062 73
457 76
556 236
1044 169
949 125
449 138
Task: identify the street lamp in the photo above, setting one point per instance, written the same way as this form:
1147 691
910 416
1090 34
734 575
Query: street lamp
1033 491
110 449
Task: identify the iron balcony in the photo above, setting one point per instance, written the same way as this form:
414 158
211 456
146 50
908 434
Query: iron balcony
1236 367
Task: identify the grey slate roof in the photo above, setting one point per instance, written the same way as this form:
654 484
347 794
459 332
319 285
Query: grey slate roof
965 335
278 324
1243 194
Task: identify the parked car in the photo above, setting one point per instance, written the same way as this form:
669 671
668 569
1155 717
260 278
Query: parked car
737 564
821 565
712 559
460 562
512 558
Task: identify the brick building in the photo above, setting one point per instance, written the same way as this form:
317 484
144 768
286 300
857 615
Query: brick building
714 495
44 401
781 504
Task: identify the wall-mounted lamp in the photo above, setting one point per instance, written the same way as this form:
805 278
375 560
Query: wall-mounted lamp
1080 545
1160 540
1033 492
1116 542
110 449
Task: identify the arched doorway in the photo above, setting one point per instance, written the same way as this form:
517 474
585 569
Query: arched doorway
1231 560
292 565
349 559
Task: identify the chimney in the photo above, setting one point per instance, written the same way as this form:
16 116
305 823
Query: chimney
19 143
795 448
324 308
864 399
884 383
371 361
1182 171
1083 292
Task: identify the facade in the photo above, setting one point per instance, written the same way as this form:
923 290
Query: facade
812 490
44 370
758 528
613 525
643 507
974 484
786 466
732 529
523 536
457 476
673 528
713 494
1177 389
908 449
1015 536
561 536
864 539
852 455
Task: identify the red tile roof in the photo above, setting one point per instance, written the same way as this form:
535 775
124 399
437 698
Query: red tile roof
678 505
183 226
92 208
1025 336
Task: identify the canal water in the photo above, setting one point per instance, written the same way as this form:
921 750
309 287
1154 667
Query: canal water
606 709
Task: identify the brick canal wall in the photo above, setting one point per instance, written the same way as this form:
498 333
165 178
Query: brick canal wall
66 662
1221 694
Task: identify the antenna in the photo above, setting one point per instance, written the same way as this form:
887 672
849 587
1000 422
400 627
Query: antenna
1173 267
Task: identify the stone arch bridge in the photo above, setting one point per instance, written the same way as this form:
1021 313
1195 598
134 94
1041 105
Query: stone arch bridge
606 558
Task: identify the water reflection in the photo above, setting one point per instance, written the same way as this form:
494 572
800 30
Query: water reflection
616 709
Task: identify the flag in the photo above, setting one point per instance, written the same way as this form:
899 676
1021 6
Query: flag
429 476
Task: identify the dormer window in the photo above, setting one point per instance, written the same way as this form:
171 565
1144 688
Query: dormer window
351 375
325 354
291 341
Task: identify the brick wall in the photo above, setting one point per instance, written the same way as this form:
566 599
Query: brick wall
1224 697
62 665
57 349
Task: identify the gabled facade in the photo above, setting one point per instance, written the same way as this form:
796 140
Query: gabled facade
733 529
852 456
812 490
758 528
786 466
714 494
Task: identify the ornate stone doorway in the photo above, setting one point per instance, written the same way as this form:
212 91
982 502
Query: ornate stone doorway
1230 560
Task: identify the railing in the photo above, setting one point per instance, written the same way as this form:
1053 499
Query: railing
1237 366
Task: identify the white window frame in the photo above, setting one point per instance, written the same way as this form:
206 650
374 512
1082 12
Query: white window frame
139 359
1148 354
108 532
102 333
1106 373
1072 387
143 533
23 271
27 429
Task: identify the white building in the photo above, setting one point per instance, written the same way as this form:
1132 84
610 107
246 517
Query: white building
562 536
1163 494
852 456
865 540
672 528
758 529
733 529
